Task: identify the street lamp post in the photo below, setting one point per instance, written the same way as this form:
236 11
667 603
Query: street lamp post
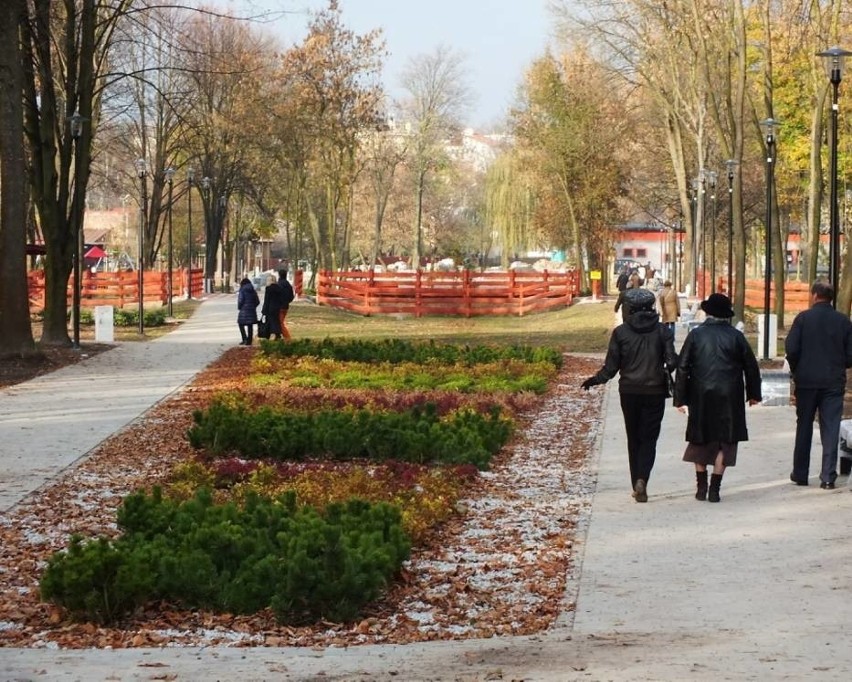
731 164
190 179
834 62
141 173
712 177
694 244
225 273
769 127
170 176
75 124
205 187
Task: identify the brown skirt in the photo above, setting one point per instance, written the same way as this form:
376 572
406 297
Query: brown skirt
705 453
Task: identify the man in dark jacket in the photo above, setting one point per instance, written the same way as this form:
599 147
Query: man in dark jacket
276 304
819 349
642 351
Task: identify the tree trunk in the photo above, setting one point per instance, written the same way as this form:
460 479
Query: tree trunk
16 336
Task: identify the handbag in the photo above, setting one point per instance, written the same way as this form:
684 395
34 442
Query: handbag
263 331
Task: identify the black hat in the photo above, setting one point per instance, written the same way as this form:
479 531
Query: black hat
718 305
639 299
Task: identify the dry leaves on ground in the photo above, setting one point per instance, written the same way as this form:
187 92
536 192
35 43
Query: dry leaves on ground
504 566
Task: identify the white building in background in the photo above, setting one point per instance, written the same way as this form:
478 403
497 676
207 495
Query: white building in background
479 150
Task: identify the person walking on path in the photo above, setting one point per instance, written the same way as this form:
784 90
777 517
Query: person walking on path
818 349
622 303
642 351
669 305
713 361
276 304
247 302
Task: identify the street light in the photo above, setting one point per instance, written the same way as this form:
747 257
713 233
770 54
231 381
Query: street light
712 177
768 126
834 62
694 245
225 275
75 125
141 172
190 179
205 186
170 176
731 164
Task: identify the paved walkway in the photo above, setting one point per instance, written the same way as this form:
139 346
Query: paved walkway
754 588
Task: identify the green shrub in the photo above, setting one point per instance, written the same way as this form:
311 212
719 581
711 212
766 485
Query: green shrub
401 350
417 435
269 553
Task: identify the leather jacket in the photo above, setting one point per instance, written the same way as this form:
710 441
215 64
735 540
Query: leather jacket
716 372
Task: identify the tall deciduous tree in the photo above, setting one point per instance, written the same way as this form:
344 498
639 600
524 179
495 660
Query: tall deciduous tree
437 97
16 336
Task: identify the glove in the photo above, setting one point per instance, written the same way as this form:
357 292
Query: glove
588 383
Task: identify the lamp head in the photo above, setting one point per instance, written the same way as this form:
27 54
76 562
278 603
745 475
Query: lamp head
169 174
190 175
834 61
205 182
141 168
769 125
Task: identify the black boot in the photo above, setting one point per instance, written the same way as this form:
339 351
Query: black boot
701 490
715 484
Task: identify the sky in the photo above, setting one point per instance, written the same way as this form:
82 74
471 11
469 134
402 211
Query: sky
497 38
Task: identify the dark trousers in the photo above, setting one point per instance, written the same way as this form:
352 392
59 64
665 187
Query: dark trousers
671 325
829 404
246 332
643 415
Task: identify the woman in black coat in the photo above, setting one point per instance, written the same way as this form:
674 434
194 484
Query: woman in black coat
247 302
716 373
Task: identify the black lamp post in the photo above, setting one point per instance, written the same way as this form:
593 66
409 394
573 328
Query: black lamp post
141 173
225 274
834 62
205 187
731 164
75 124
190 179
712 176
694 245
769 127
170 176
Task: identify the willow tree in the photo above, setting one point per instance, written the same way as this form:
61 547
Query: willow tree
509 204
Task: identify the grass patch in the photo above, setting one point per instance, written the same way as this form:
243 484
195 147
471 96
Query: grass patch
582 328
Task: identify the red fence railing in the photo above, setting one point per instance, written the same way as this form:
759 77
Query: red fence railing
119 288
463 293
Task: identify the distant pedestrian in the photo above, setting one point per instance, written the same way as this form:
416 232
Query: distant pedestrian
819 349
642 351
622 303
716 372
669 304
276 304
247 302
623 278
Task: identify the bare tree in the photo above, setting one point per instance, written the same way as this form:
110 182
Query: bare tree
437 97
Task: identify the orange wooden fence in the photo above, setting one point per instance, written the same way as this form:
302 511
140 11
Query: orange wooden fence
118 289
796 294
463 293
